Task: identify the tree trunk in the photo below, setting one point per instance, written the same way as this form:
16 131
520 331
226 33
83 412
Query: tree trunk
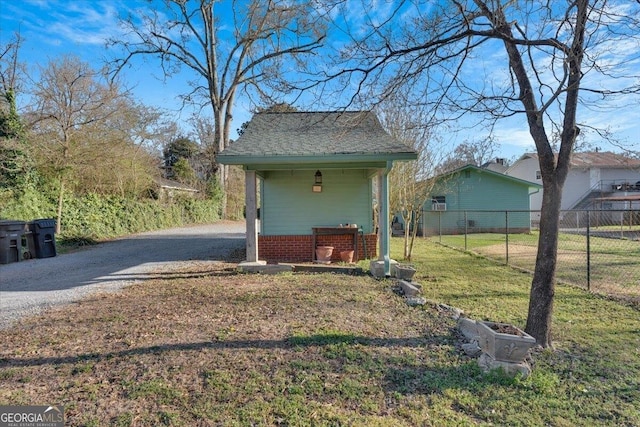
223 170
553 178
543 284
407 218
60 203
416 222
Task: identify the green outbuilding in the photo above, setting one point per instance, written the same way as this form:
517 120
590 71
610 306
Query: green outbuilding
478 200
316 179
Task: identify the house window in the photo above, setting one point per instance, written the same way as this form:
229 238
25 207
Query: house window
538 175
439 203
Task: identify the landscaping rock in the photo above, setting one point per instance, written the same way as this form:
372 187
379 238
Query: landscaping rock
456 313
409 289
472 349
414 301
468 328
487 363
377 268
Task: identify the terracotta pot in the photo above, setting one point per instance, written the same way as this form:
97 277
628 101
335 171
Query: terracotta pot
346 256
323 254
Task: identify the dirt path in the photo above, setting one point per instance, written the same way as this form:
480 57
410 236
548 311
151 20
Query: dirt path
28 287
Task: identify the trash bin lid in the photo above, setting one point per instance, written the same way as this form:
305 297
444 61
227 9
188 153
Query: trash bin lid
44 223
11 225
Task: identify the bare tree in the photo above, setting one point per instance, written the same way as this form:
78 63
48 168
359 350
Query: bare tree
256 47
10 69
410 180
70 98
475 153
548 60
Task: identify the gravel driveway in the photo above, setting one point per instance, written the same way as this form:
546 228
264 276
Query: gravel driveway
28 287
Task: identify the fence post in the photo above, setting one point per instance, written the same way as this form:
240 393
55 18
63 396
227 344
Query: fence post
506 235
465 230
588 250
440 226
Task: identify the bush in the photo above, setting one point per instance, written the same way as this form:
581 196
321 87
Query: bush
26 205
94 216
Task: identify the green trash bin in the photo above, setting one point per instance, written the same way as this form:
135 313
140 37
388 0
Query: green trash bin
44 239
11 234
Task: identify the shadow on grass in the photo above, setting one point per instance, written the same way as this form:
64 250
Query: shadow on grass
172 275
347 356
318 340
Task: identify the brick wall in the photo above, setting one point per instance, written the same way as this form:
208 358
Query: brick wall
275 249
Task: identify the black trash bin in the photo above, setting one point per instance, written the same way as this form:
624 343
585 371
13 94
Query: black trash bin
11 233
44 239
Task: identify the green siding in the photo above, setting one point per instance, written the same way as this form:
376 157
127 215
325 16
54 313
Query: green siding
473 190
289 207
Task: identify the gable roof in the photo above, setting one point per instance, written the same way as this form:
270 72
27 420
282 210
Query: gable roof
174 185
488 172
496 165
312 137
599 159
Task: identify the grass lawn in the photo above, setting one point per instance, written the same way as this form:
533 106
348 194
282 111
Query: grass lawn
206 346
615 269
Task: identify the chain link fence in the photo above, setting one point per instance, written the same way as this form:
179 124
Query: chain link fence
597 249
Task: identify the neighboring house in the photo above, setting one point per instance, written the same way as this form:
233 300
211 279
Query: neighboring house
314 170
593 177
168 189
496 165
468 198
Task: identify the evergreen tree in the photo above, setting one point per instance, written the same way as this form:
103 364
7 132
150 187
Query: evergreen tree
16 166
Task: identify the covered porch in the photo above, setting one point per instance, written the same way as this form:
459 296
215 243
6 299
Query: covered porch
316 179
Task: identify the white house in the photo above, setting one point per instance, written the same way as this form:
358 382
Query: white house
592 176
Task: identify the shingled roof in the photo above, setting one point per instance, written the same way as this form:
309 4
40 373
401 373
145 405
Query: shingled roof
602 159
315 136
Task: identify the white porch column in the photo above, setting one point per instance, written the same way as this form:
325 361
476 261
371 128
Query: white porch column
384 258
252 215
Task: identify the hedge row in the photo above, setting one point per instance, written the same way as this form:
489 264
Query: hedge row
97 217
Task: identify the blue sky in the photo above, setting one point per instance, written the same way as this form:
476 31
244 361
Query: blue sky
51 28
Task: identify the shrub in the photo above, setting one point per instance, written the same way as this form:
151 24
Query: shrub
94 216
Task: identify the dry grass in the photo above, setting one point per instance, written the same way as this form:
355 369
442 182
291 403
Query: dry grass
615 275
206 346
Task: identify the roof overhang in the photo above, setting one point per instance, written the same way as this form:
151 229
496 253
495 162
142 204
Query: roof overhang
337 161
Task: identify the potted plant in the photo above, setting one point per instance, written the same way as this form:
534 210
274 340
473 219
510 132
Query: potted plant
405 272
346 256
504 342
323 254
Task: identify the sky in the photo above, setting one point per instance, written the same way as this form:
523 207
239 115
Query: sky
52 28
